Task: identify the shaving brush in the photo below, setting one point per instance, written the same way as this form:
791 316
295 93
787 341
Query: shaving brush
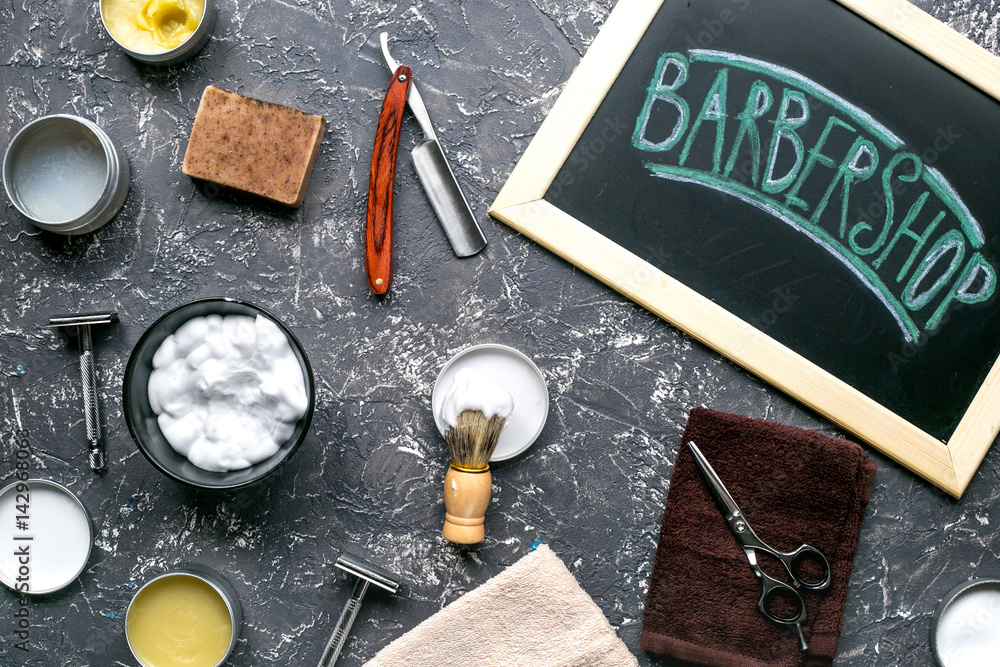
476 410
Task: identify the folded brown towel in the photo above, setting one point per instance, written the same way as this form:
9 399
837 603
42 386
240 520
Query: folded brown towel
794 486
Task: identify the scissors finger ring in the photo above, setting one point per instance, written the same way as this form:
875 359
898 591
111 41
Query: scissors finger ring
807 566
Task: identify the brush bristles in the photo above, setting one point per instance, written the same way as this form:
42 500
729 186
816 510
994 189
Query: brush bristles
474 437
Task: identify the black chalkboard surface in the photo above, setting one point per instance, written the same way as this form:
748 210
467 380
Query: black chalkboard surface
824 183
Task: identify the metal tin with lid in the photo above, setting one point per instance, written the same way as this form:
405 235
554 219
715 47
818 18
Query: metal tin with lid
65 174
45 536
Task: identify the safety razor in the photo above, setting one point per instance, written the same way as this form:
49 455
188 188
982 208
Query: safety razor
365 574
80 326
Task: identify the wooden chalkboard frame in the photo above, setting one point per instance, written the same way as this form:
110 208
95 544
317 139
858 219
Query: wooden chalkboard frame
520 204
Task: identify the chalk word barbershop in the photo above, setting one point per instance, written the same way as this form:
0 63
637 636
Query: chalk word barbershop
749 138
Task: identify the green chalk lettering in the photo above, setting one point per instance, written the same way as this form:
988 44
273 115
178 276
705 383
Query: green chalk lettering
887 190
975 269
920 240
951 240
659 91
759 102
938 273
851 171
949 197
714 111
784 128
816 155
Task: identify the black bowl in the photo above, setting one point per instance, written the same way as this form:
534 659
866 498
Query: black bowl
141 419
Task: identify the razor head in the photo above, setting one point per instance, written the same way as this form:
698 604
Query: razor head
371 573
82 319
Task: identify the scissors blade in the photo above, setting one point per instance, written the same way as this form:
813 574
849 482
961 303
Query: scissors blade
413 97
715 486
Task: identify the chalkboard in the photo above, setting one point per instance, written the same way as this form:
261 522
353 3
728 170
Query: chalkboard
810 191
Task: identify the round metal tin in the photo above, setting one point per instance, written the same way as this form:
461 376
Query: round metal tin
966 627
188 49
45 536
519 375
65 174
213 579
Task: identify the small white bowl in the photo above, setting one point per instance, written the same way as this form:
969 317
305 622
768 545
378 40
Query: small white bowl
519 375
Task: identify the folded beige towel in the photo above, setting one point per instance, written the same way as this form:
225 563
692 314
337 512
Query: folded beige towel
533 613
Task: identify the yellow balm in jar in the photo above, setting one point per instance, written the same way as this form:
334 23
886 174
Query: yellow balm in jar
152 26
170 21
180 619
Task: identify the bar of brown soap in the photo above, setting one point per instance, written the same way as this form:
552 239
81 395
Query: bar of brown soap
259 147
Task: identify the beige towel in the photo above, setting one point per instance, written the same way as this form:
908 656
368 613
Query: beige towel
533 613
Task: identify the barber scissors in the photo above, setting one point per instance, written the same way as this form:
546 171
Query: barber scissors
775 594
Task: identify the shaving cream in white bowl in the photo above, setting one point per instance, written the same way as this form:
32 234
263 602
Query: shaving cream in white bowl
227 390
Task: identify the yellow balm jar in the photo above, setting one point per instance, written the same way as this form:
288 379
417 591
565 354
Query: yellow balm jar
186 618
159 31
170 22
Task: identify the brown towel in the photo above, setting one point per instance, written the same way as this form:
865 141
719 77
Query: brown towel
794 486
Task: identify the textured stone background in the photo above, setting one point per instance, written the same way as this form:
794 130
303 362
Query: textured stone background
368 477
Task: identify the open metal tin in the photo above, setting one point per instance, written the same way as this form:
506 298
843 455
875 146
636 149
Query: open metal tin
187 49
45 536
966 627
65 174
517 374
153 601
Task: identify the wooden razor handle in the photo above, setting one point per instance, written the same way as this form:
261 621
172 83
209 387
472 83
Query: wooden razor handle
378 226
466 496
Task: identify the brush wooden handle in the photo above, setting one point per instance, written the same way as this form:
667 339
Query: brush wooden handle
466 495
378 227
